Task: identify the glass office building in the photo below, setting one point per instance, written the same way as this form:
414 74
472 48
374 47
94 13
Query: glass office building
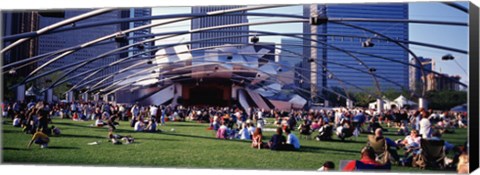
217 21
348 64
57 41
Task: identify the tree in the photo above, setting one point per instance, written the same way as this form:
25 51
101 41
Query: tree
9 81
392 94
444 100
46 81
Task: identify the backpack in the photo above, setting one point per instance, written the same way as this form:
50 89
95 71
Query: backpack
419 161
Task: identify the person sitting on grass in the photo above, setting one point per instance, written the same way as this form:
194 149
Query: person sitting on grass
39 138
411 141
55 131
463 164
151 126
305 128
257 139
99 122
244 133
317 124
251 129
139 126
17 122
366 162
277 140
447 146
327 166
222 131
403 130
292 141
411 144
391 145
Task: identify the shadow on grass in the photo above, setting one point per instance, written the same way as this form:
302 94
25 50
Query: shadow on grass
183 124
315 149
132 131
82 136
336 140
12 131
204 137
14 149
85 125
156 139
62 147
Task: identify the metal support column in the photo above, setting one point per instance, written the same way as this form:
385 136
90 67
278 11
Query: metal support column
85 96
349 104
422 103
69 96
96 97
21 92
49 95
379 106
313 54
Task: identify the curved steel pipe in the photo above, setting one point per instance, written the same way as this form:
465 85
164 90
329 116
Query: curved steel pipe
59 24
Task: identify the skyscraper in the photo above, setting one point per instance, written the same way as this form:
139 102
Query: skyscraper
336 60
415 75
291 56
16 23
52 42
217 21
292 51
135 13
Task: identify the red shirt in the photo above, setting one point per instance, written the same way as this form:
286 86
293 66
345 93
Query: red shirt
351 166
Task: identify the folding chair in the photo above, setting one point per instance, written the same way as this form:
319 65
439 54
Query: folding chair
380 148
432 154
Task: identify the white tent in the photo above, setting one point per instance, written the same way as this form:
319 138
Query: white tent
401 101
386 104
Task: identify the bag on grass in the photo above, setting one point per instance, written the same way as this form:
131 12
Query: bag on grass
419 161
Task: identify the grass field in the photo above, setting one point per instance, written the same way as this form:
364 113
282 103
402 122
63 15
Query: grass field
191 145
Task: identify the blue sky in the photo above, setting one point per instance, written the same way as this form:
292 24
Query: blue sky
450 36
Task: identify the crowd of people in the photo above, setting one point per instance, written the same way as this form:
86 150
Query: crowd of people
236 123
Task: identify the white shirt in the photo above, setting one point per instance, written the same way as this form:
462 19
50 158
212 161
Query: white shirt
260 114
153 111
413 142
138 126
16 122
251 129
425 128
134 111
98 122
244 134
292 139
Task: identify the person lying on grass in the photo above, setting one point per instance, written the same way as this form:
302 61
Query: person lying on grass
39 138
117 139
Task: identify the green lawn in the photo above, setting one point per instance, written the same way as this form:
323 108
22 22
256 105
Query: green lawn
191 145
